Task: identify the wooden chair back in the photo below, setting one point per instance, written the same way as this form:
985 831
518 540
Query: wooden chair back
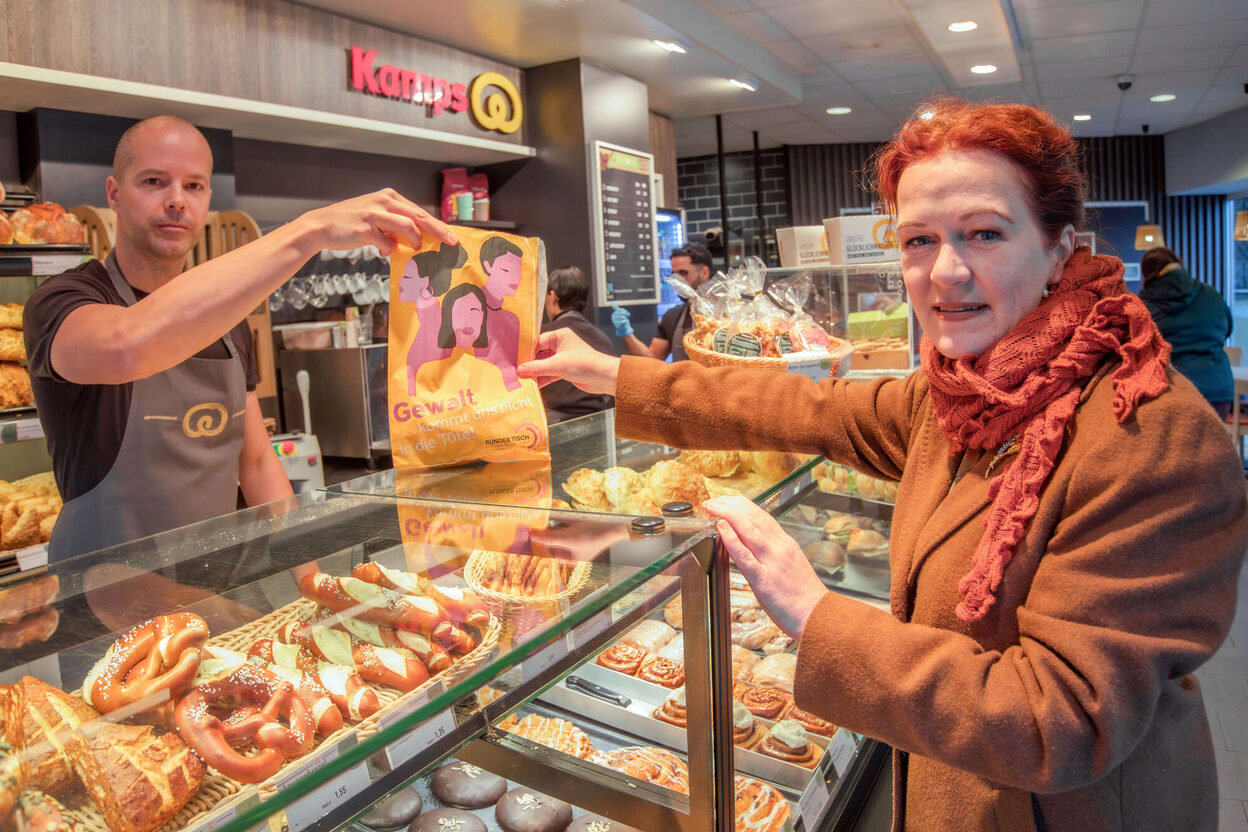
1234 355
228 230
101 228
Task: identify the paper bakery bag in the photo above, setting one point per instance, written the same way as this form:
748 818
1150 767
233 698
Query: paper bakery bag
462 318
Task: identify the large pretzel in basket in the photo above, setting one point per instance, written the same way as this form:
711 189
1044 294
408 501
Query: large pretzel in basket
247 707
150 665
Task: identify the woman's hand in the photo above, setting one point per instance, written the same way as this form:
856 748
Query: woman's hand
379 219
561 354
782 578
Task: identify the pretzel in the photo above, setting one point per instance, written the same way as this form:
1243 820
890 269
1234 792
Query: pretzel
151 664
382 665
461 606
352 698
256 701
433 656
325 714
385 607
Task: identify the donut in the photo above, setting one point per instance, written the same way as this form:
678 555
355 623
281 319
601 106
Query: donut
466 786
395 811
597 823
524 810
447 820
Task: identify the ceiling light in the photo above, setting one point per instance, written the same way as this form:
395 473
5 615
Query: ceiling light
1083 117
839 111
1162 97
927 115
745 85
963 26
983 69
861 45
671 46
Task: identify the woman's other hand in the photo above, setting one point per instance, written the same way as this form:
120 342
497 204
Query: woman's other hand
782 578
561 354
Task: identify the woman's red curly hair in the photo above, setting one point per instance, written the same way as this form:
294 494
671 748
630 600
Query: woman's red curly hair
1047 157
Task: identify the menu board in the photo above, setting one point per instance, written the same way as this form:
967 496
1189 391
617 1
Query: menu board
626 269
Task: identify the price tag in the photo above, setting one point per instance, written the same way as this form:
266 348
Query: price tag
32 557
308 766
589 629
841 751
419 738
313 806
42 264
544 659
29 429
814 801
817 369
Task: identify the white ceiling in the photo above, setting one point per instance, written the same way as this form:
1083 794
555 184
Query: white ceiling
1061 54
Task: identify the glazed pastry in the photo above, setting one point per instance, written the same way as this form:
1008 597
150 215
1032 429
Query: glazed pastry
674 649
673 710
809 721
758 807
788 741
649 635
625 658
674 613
597 823
753 628
743 662
551 732
711 463
780 643
776 672
669 481
764 703
619 484
746 732
394 812
447 820
670 673
466 786
654 765
524 810
585 489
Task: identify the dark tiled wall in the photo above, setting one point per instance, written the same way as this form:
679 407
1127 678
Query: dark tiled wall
698 186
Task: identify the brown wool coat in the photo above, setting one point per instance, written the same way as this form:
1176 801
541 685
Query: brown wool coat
1077 685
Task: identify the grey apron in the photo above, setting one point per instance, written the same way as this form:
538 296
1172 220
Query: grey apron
178 461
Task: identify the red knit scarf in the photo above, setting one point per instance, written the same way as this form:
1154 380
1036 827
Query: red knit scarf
1028 385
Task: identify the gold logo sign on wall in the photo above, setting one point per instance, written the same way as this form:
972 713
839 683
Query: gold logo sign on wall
501 111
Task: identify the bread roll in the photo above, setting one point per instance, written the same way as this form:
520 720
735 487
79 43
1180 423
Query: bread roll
670 481
828 555
12 347
6 229
10 313
585 489
776 672
15 390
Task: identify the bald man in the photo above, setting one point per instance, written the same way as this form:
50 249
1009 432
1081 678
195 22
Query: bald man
143 373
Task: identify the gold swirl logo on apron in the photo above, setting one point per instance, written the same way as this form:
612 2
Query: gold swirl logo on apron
206 419
491 111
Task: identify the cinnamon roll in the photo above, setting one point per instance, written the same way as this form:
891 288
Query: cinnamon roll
670 673
758 807
746 732
787 741
654 765
624 657
765 703
809 721
673 710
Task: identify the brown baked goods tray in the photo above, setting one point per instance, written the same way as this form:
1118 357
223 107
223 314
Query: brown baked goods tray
217 787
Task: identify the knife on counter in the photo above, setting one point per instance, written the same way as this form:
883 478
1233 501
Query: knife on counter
593 689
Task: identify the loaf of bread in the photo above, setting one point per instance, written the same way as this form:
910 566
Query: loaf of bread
42 720
15 388
6 229
46 223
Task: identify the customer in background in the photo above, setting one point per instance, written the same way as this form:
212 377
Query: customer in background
1196 321
1070 524
566 296
692 264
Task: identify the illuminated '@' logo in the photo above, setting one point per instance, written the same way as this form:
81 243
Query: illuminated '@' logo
491 113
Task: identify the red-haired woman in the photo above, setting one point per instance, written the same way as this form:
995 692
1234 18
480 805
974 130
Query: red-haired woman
1070 522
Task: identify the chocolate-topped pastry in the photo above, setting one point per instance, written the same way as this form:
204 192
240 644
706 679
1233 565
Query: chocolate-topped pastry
524 810
467 786
597 823
394 812
447 820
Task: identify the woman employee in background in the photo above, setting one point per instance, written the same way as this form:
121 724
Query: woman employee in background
1070 522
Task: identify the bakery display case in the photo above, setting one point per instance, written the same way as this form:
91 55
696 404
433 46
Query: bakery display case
867 305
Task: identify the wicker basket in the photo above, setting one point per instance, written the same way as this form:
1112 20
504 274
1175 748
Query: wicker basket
217 787
840 358
474 576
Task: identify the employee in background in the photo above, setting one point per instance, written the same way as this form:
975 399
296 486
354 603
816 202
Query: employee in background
143 373
693 264
1196 321
566 296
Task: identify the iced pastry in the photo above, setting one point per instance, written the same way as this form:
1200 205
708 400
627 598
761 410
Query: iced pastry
788 741
753 628
654 765
622 656
746 732
466 786
524 810
551 732
809 721
764 703
673 710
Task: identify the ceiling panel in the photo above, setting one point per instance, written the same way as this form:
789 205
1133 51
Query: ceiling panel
1193 11
1232 75
1196 36
771 117
1092 18
757 26
893 41
1164 62
1078 47
898 66
836 17
795 54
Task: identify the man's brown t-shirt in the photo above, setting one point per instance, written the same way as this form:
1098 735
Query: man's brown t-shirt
85 423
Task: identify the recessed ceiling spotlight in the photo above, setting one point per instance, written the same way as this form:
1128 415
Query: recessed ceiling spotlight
671 46
963 26
745 85
927 115
839 111
861 45
984 69
1083 117
1162 98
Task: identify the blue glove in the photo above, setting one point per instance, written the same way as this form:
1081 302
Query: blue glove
620 317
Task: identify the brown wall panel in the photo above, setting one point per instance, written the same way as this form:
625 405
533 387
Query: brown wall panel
263 50
663 146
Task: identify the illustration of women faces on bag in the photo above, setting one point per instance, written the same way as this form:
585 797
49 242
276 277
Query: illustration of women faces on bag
462 318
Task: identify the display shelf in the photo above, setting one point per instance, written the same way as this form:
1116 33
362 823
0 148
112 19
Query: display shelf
38 261
20 429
